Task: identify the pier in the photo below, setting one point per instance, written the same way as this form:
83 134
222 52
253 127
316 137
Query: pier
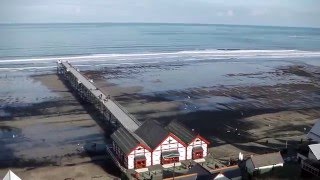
109 108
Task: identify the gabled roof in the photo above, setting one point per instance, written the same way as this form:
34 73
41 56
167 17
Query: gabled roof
152 133
126 140
185 134
266 159
11 176
314 133
315 149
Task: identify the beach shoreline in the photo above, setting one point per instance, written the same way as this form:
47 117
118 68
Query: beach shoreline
50 134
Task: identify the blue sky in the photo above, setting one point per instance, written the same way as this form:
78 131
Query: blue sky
251 12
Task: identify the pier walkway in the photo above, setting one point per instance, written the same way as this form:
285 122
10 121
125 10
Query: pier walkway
87 90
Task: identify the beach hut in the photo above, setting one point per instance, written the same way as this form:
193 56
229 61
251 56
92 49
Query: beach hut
197 146
314 133
11 176
167 148
130 150
263 163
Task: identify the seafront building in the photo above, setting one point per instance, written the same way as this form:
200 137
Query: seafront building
196 145
134 145
155 144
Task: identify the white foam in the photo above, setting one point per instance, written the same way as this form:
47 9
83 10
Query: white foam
181 55
27 68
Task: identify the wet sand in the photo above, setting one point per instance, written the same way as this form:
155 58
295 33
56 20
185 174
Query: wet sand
256 118
251 112
48 139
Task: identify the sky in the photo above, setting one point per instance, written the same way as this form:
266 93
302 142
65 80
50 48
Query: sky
299 13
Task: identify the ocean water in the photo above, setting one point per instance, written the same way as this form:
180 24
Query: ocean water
31 47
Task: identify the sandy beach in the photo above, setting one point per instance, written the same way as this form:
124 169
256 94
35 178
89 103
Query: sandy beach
48 140
45 134
256 118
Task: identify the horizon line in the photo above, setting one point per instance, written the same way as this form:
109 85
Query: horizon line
165 23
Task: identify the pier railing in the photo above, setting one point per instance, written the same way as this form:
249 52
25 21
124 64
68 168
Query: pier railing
90 92
126 111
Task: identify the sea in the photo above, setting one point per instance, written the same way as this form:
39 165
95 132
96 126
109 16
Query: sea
158 58
156 71
36 47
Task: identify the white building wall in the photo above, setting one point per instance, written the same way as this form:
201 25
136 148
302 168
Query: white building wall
197 142
131 161
205 149
156 155
182 153
169 144
139 151
148 158
189 152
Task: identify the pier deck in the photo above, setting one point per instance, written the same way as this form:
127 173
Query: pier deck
101 99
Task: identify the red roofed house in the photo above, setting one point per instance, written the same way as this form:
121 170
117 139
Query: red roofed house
197 146
130 150
153 144
167 147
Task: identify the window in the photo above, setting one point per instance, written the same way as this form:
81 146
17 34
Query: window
197 153
169 160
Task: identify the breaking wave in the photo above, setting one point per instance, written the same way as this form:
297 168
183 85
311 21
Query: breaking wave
136 58
207 54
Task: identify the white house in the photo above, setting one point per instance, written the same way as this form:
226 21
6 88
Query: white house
153 144
130 150
167 148
314 133
197 146
264 163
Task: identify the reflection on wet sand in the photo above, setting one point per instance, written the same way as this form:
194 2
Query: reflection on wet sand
43 123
